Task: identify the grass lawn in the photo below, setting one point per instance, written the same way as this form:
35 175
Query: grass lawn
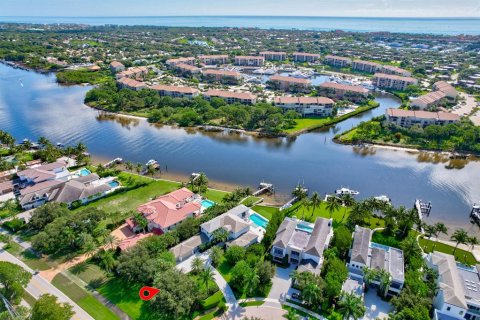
10 209
461 256
251 200
298 312
252 303
265 211
90 273
83 298
28 257
307 123
29 298
215 195
125 296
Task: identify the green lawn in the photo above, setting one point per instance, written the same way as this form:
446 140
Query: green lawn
265 211
250 200
29 298
215 195
461 256
28 257
10 209
252 303
83 298
90 273
125 296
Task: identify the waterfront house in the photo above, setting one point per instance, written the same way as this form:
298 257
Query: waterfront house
213 59
307 106
51 171
336 61
231 97
289 83
450 92
235 221
302 243
274 56
428 101
175 91
249 61
305 57
132 84
186 60
395 82
223 76
116 66
458 294
366 66
38 194
167 211
408 118
365 253
395 71
342 91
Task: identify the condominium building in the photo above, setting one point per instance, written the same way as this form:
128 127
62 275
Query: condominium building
138 73
132 84
305 57
429 100
450 92
342 91
302 242
274 56
365 66
408 118
222 76
213 59
458 294
175 91
337 61
389 81
187 60
289 83
395 70
249 61
116 66
367 254
187 68
231 97
318 106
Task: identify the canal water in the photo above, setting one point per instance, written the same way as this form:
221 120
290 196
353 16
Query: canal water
33 105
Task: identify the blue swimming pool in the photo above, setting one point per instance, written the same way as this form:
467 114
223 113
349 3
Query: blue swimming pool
207 203
259 220
304 227
113 184
84 172
379 246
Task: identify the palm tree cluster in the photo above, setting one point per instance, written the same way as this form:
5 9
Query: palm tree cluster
351 306
205 273
199 183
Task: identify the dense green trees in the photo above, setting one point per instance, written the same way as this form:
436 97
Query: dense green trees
80 76
13 280
47 308
45 214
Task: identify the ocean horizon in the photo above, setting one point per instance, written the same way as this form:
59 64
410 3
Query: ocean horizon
427 25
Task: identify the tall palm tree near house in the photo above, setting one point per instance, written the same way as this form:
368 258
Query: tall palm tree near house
347 200
251 283
440 228
107 260
385 279
89 248
460 236
43 141
300 194
307 204
202 183
315 201
410 248
27 145
207 276
197 265
311 294
111 241
351 306
472 242
429 231
80 148
369 276
140 221
333 204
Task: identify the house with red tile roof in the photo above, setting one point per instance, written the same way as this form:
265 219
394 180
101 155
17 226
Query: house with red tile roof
166 212
342 91
390 81
337 61
289 83
223 76
249 61
116 66
132 241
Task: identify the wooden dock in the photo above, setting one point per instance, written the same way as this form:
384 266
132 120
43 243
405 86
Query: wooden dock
423 208
114 161
263 188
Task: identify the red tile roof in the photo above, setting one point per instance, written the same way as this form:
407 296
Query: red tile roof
445 116
180 89
338 86
394 77
230 94
132 241
221 72
303 100
289 79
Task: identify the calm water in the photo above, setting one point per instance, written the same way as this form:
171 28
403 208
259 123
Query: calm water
42 108
451 26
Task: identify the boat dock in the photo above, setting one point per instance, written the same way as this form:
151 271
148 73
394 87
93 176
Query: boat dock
114 161
475 213
423 208
292 201
263 188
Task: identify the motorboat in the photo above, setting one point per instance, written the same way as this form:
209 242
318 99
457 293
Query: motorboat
383 198
345 191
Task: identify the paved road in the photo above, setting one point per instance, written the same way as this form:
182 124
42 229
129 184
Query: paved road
39 286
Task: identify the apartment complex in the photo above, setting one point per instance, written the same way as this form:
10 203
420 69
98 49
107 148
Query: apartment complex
408 118
306 106
223 76
450 92
337 61
429 100
289 83
342 91
395 71
274 56
138 73
389 81
116 66
367 254
231 97
187 60
213 59
175 91
132 84
458 295
305 57
366 66
302 242
187 68
249 61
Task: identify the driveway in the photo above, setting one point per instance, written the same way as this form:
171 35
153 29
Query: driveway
281 283
376 307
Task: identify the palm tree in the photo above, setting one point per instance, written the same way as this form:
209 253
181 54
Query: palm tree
369 276
90 248
111 241
307 204
315 201
251 282
351 306
291 314
311 293
439 229
460 236
138 167
150 170
107 260
207 276
43 141
333 204
347 200
429 231
472 242
384 278
410 248
129 165
197 265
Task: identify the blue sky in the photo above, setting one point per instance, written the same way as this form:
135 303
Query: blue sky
360 8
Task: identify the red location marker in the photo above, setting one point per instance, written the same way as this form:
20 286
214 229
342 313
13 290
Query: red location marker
147 293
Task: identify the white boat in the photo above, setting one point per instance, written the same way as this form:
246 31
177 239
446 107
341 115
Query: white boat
383 198
299 74
151 162
344 191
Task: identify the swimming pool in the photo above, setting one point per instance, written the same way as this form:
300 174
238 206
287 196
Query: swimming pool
207 203
113 184
259 220
379 246
84 172
305 227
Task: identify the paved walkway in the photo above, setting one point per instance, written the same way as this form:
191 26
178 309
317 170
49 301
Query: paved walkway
376 307
39 286
281 283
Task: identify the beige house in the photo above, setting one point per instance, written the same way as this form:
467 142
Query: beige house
175 91
389 81
337 61
306 106
289 83
408 118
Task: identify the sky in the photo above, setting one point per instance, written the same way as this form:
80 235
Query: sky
348 8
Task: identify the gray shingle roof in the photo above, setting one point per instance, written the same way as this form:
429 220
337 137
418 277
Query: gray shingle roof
284 233
229 220
316 243
361 242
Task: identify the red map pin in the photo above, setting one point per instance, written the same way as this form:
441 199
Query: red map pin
147 293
